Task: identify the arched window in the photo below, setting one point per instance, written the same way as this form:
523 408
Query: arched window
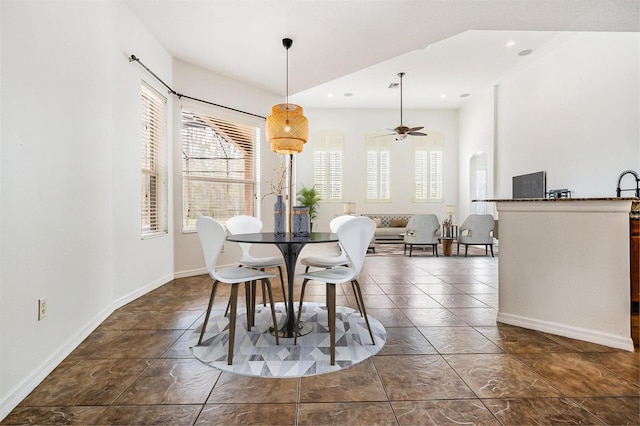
478 182
218 167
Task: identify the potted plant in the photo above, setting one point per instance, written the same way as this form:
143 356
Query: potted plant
309 197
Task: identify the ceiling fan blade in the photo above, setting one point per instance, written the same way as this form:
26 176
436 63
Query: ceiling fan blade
413 129
417 133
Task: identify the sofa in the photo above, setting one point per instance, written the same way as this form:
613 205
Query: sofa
389 227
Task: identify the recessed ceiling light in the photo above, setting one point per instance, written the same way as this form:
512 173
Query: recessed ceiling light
464 95
348 94
443 96
525 52
330 95
510 43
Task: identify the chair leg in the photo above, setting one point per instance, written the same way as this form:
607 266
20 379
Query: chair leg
410 249
363 311
250 302
331 308
295 335
206 317
273 309
405 250
458 254
284 292
353 287
466 247
491 246
435 249
486 250
232 321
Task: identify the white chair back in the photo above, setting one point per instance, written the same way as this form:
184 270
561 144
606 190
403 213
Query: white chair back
244 224
337 221
354 236
425 229
479 227
212 236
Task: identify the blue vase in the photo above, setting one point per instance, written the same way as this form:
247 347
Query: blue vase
279 216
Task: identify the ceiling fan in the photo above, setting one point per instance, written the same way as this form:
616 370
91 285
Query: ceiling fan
402 131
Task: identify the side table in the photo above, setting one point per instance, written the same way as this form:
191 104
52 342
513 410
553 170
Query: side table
446 245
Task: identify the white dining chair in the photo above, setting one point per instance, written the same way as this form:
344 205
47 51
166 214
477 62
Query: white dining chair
333 260
354 235
212 236
245 224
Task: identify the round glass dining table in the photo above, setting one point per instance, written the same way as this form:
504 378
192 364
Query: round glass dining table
290 246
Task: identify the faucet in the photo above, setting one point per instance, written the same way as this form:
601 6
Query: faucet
626 172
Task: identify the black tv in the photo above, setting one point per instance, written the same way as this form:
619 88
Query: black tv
532 185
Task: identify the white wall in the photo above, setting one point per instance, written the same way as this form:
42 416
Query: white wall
70 199
354 124
198 83
574 113
476 135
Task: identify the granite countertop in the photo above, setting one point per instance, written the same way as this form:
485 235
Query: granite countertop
635 205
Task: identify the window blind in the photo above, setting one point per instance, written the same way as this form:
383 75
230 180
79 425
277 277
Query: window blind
218 168
153 162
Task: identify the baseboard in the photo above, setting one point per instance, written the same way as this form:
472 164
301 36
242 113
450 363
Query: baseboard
190 273
593 336
11 400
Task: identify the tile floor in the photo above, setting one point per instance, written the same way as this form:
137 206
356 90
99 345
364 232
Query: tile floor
446 361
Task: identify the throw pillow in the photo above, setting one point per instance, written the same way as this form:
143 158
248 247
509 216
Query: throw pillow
377 221
398 223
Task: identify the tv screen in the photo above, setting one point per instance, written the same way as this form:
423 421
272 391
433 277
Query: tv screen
532 185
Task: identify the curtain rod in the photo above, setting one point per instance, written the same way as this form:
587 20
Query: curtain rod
180 95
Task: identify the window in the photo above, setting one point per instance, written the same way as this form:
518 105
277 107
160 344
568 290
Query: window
427 167
378 167
219 160
154 162
327 165
478 182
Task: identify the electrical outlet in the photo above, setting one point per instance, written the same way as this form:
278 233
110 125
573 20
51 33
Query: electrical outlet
42 308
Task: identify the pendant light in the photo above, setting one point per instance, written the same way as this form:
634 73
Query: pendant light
287 128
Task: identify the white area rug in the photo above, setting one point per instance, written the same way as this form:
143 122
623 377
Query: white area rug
256 353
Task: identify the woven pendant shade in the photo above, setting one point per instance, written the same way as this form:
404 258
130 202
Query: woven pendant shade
287 129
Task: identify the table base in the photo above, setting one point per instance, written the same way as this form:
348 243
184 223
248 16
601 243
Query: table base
302 331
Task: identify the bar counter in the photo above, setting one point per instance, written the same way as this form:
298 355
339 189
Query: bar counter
564 267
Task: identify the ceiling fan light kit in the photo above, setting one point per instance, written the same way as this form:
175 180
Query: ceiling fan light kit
402 131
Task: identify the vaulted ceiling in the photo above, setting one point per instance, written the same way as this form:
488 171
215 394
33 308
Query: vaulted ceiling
357 47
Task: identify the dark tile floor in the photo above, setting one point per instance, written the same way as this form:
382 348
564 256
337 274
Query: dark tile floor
446 361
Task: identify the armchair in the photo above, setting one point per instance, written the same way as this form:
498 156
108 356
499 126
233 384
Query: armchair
476 230
422 230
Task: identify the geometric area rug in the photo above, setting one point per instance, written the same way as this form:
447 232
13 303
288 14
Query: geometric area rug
256 353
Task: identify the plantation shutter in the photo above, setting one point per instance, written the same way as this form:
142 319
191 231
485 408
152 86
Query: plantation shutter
378 168
327 172
428 168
